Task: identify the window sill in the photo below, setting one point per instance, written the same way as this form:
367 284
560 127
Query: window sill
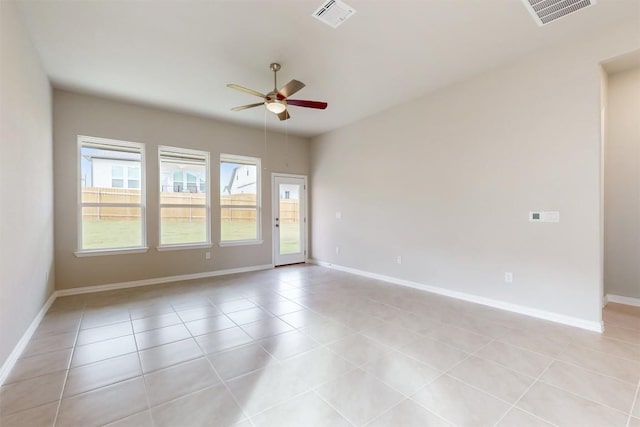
181 247
82 254
240 243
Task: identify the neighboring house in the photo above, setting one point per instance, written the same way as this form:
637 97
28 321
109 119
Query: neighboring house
113 172
175 179
242 180
123 171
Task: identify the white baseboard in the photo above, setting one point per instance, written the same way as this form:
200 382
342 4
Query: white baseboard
24 340
529 311
159 280
622 300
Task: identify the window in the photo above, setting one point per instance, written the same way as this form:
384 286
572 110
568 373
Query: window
111 209
184 197
239 199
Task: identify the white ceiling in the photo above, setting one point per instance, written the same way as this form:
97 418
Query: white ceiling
181 54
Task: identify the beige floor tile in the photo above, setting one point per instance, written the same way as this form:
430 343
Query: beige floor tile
390 334
237 305
179 380
213 406
155 322
266 388
141 419
198 313
622 315
169 354
102 350
100 374
634 422
102 317
547 345
266 328
603 363
223 340
605 390
359 396
307 410
149 310
31 393
103 405
302 318
614 347
434 353
623 334
519 418
492 378
460 403
563 408
280 307
636 406
318 366
287 345
48 344
240 360
57 324
40 364
409 414
457 337
401 372
101 333
41 416
209 324
523 361
358 349
326 332
249 316
160 336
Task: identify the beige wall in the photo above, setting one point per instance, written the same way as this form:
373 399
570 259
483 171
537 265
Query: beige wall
76 114
26 193
622 185
447 181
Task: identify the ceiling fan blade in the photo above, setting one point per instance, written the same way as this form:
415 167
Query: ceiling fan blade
284 115
290 88
244 107
245 89
309 104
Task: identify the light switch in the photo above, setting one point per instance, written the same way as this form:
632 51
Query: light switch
338 215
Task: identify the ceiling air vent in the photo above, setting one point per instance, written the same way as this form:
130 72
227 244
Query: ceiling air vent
334 13
546 11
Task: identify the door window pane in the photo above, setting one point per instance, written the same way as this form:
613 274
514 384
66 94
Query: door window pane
289 219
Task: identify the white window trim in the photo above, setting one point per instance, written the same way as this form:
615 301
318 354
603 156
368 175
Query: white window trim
247 160
179 246
80 252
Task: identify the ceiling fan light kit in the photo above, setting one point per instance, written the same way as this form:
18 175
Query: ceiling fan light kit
277 101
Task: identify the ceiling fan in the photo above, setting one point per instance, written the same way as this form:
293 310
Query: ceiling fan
276 101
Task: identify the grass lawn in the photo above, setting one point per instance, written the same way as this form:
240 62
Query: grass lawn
109 234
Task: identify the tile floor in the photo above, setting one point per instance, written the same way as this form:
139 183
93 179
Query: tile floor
309 346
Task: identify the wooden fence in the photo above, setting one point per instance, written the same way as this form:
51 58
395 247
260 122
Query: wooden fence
289 208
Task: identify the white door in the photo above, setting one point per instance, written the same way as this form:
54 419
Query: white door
289 219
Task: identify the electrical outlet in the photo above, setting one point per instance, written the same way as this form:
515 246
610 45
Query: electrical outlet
399 259
207 255
508 277
337 250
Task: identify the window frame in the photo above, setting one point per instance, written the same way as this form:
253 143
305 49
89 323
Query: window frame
246 160
207 206
83 140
